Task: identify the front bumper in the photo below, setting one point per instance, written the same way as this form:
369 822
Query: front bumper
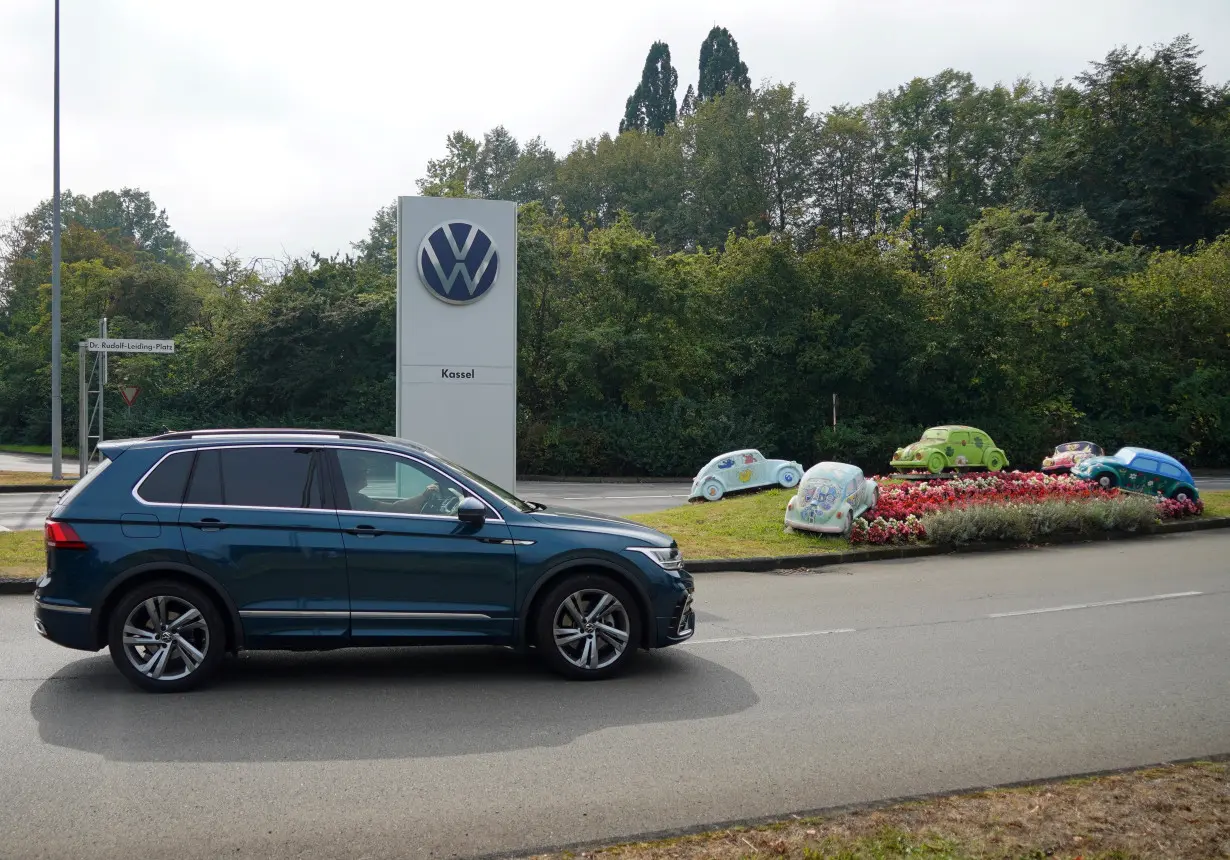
680 625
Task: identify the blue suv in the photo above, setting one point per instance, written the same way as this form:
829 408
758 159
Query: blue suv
180 548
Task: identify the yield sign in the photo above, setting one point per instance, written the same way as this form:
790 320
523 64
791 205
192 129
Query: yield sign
129 393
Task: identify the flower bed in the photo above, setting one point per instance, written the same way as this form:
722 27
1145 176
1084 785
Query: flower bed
902 513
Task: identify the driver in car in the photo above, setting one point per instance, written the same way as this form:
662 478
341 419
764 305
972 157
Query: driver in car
356 474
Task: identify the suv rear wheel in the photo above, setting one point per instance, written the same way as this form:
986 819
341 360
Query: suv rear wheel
166 637
588 627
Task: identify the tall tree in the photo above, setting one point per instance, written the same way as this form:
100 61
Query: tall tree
720 66
788 143
451 176
1141 143
494 166
652 106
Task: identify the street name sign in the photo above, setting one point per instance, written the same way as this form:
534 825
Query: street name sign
114 344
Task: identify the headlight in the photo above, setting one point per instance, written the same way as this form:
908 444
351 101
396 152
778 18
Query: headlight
666 557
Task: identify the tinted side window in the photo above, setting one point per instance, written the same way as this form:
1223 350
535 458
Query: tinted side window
205 487
271 478
166 484
1170 471
1144 464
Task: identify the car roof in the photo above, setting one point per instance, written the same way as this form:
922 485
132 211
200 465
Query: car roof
956 427
1131 452
230 436
837 470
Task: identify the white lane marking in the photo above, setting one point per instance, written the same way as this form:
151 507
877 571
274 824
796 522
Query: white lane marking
768 636
1148 599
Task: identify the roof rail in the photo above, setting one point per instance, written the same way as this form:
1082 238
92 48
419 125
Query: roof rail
266 431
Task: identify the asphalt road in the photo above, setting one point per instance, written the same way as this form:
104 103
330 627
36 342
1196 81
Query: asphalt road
862 682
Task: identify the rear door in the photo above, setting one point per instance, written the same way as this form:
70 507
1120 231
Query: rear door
256 519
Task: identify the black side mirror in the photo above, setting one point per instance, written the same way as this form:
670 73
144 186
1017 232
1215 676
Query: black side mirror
471 510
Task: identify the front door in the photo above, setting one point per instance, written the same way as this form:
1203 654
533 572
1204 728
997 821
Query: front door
416 571
255 518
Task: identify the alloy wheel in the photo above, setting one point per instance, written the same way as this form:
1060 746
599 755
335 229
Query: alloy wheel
592 629
166 638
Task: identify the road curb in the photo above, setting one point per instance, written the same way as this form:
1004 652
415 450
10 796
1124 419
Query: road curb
796 562
17 586
33 488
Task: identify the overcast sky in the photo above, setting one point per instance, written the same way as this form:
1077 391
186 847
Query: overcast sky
273 127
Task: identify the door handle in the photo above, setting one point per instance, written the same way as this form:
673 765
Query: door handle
209 524
364 531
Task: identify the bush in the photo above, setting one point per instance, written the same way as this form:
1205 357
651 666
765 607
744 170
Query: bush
1018 523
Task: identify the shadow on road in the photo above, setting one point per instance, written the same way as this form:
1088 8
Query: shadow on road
375 704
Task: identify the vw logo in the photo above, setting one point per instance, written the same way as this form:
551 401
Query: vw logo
458 262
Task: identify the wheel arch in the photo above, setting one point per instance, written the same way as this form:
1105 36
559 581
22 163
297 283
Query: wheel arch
167 570
524 634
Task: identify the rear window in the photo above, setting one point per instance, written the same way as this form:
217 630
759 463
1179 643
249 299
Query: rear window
76 489
166 484
257 477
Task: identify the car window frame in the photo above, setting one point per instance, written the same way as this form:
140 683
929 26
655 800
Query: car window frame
1177 472
337 480
1145 468
326 490
136 488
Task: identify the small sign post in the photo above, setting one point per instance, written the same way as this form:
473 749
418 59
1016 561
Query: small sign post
92 371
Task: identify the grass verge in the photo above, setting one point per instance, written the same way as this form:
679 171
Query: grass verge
23 555
746 526
752 526
1216 503
1180 811
32 479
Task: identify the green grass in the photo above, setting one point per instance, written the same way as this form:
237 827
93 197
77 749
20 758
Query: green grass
745 526
26 479
23 554
1216 503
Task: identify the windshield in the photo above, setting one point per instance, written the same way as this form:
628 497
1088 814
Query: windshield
494 489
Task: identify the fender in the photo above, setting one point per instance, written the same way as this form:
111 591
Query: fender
522 620
172 567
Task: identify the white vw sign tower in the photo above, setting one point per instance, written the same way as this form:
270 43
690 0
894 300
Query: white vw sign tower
457 331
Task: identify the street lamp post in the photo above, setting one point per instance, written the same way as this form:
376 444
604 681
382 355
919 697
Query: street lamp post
57 441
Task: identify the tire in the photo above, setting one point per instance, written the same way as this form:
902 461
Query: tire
712 490
847 528
192 657
1183 494
1106 480
994 461
788 476
936 463
573 658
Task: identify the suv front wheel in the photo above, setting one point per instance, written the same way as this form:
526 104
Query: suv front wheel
166 637
588 627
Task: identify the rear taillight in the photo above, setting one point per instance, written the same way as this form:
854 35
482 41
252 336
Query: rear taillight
61 536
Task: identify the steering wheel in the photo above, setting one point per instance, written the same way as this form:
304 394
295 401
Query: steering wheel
444 504
448 503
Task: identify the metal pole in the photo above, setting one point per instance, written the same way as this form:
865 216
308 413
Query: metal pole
102 377
834 411
57 442
83 409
